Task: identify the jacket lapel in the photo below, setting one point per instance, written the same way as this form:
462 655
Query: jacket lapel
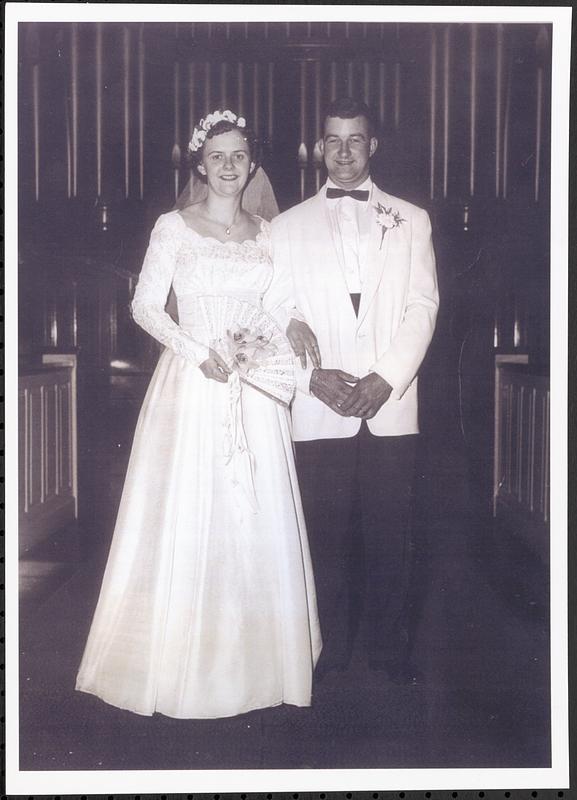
376 254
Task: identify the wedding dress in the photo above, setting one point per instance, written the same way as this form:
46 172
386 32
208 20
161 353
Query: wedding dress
207 607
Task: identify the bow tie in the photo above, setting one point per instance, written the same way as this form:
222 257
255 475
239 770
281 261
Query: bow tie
356 194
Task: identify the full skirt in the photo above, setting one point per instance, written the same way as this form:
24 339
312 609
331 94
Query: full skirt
207 607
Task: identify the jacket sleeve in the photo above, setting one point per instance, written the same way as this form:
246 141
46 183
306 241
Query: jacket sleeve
152 289
399 364
279 299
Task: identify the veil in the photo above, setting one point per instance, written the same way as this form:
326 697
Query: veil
258 198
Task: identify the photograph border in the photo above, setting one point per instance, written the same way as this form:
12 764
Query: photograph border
222 781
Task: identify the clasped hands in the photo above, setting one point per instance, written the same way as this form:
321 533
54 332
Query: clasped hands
345 394
350 396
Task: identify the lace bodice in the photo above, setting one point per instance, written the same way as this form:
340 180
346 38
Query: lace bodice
193 264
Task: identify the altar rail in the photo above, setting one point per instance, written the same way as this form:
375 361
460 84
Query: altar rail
47 465
521 474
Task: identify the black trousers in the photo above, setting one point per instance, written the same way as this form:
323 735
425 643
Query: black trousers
356 495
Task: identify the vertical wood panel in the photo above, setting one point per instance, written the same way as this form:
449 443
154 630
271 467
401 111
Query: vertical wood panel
74 104
126 67
36 125
51 443
538 131
98 81
446 110
141 77
498 105
433 112
473 101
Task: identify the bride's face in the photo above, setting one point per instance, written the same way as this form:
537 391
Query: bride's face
226 163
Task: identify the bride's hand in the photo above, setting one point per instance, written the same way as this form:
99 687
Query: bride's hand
215 368
303 341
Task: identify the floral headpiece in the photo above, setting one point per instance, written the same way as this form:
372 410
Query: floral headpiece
201 130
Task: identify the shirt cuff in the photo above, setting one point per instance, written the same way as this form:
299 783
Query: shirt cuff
303 377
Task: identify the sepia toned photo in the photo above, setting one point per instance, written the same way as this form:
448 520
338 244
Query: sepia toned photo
288 481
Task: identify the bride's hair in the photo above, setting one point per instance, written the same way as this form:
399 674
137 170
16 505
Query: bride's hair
224 126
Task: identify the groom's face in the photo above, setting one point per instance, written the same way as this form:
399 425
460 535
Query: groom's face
347 147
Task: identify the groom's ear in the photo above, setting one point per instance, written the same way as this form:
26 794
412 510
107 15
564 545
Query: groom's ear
321 145
373 144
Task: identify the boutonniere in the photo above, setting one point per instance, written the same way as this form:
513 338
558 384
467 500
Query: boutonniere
387 219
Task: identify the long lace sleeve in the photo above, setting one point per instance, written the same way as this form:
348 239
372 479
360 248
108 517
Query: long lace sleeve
152 290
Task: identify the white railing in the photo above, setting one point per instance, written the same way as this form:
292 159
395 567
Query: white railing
47 464
522 416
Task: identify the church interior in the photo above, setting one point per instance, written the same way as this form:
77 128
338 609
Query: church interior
105 114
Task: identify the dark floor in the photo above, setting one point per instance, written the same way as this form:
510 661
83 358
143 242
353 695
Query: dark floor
480 640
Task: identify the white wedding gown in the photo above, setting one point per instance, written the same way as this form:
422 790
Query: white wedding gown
207 607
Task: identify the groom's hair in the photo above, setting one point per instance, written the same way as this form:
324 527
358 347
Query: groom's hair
349 108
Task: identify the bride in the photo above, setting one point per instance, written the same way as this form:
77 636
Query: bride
207 607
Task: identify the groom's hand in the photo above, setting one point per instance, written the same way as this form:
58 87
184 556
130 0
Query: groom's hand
332 387
303 341
367 396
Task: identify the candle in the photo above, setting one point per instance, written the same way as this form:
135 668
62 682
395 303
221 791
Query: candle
191 119
446 112
317 100
141 110
433 130
506 136
36 124
350 78
318 162
207 88
397 93
367 82
498 103
223 82
333 80
302 161
270 103
303 101
98 64
68 156
176 102
473 120
126 53
240 72
74 94
538 131
255 93
382 75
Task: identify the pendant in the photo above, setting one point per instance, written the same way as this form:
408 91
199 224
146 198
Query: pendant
227 231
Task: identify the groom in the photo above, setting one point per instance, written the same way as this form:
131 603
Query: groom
364 277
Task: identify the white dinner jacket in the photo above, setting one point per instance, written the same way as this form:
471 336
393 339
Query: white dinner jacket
397 313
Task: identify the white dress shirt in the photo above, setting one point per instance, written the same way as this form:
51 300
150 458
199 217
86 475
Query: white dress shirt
346 215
